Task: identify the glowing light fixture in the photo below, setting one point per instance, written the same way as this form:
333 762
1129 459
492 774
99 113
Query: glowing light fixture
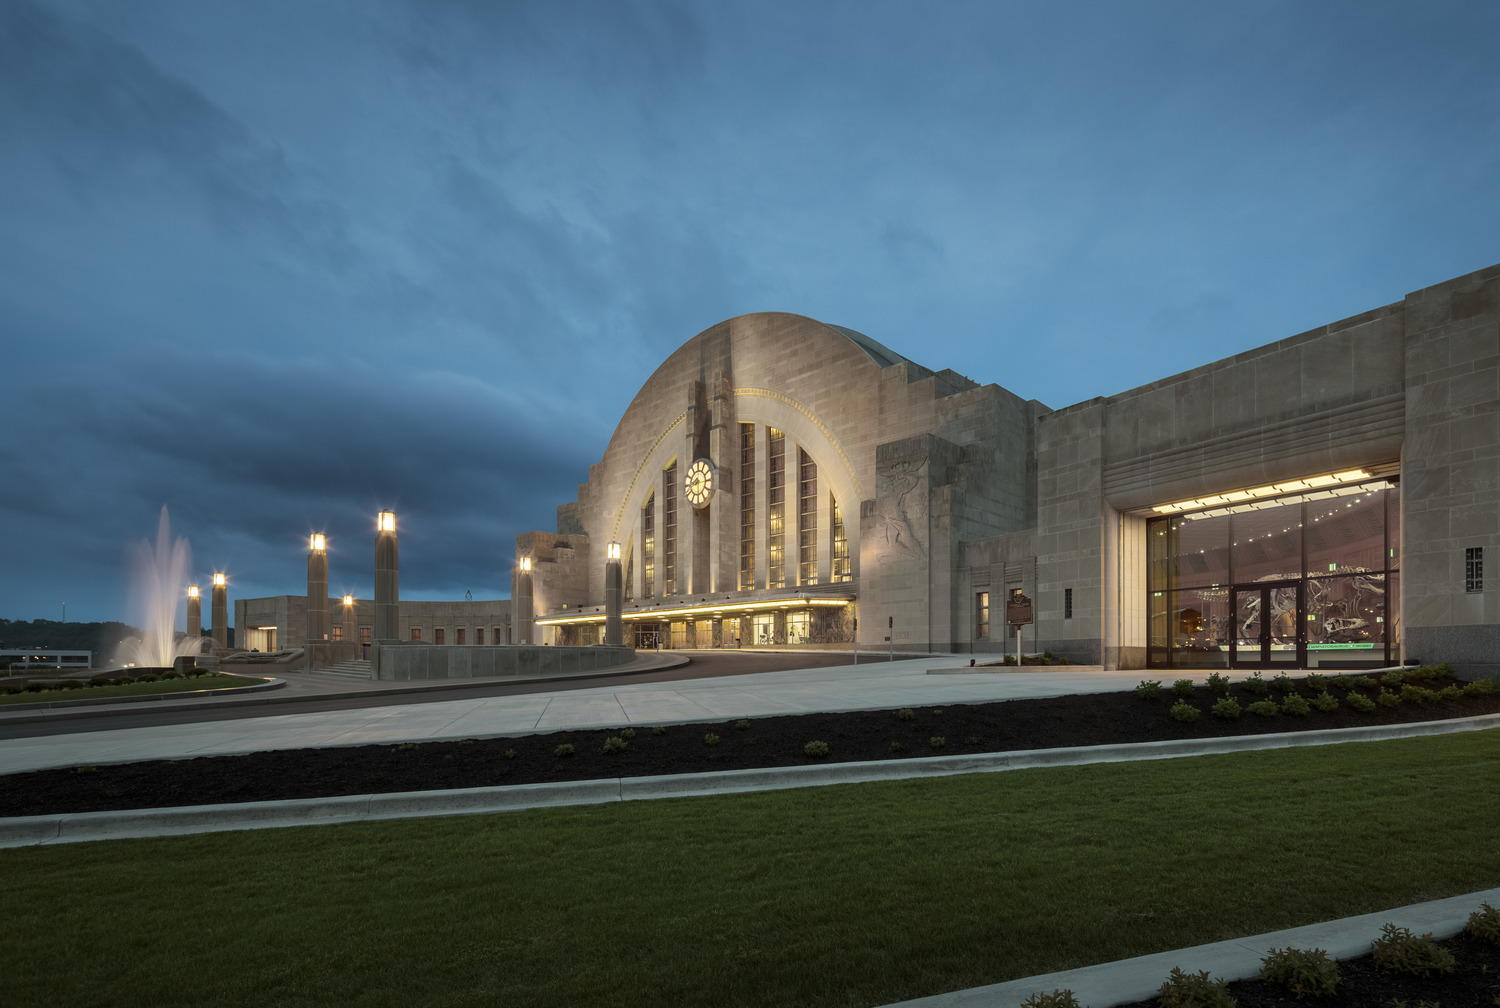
219 581
348 600
316 542
525 564
192 591
614 551
386 521
1273 490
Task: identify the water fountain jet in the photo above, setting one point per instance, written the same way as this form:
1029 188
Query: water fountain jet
158 584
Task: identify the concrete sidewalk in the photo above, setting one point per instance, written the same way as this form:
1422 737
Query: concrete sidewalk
867 686
1130 980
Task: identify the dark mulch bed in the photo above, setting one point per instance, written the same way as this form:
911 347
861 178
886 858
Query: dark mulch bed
1097 719
1475 981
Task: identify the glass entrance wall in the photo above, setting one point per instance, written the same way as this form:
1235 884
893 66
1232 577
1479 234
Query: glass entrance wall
1306 578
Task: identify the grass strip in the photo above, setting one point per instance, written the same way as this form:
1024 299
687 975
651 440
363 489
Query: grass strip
209 682
847 895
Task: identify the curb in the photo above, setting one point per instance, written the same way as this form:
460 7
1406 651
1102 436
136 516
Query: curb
124 705
80 826
201 695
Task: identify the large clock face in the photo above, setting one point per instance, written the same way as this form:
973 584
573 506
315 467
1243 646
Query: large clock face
699 485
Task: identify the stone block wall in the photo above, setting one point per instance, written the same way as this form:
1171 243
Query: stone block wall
1450 473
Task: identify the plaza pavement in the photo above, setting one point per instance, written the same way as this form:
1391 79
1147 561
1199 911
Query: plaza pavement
912 682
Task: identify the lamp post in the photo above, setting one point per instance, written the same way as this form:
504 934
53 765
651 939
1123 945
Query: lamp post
317 590
613 592
521 605
387 578
219 611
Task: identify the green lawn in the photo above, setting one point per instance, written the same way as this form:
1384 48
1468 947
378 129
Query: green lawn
849 895
208 682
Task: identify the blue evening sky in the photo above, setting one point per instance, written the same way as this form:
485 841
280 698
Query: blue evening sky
278 264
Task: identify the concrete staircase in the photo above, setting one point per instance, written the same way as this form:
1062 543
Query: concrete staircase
357 668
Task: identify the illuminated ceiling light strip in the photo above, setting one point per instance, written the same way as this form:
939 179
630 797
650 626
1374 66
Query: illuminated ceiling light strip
1290 486
728 608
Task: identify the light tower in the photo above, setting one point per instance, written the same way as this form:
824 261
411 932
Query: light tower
219 611
613 593
521 607
194 616
317 589
387 577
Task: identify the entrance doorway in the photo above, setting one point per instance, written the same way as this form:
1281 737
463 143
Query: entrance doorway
1268 625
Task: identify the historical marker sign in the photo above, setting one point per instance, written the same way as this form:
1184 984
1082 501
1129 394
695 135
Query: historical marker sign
1018 610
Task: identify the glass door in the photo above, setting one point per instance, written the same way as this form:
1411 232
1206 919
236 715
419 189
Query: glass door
1268 621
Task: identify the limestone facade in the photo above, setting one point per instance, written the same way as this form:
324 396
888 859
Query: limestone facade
1373 443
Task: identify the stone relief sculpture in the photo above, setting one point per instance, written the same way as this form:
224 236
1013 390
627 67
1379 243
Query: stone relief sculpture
901 490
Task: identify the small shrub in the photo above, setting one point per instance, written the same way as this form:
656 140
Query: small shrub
1182 688
173 674
937 741
1442 670
1326 702
406 746
467 741
1148 689
627 734
1393 680
710 739
1484 923
1218 683
1417 695
937 712
38 687
1264 708
1193 990
123 680
510 754
615 744
815 749
742 725
1450 692
1227 708
1316 681
148 677
198 670
70 684
1295 704
1305 972
1388 699
1057 999
86 768
659 730
1480 687
1397 950
905 714
1184 712
1255 684
1283 682
897 745
1360 702
566 749
1361 682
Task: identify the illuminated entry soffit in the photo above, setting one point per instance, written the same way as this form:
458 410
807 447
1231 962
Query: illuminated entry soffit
1270 490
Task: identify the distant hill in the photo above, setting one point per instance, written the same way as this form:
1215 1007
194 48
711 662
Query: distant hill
101 638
